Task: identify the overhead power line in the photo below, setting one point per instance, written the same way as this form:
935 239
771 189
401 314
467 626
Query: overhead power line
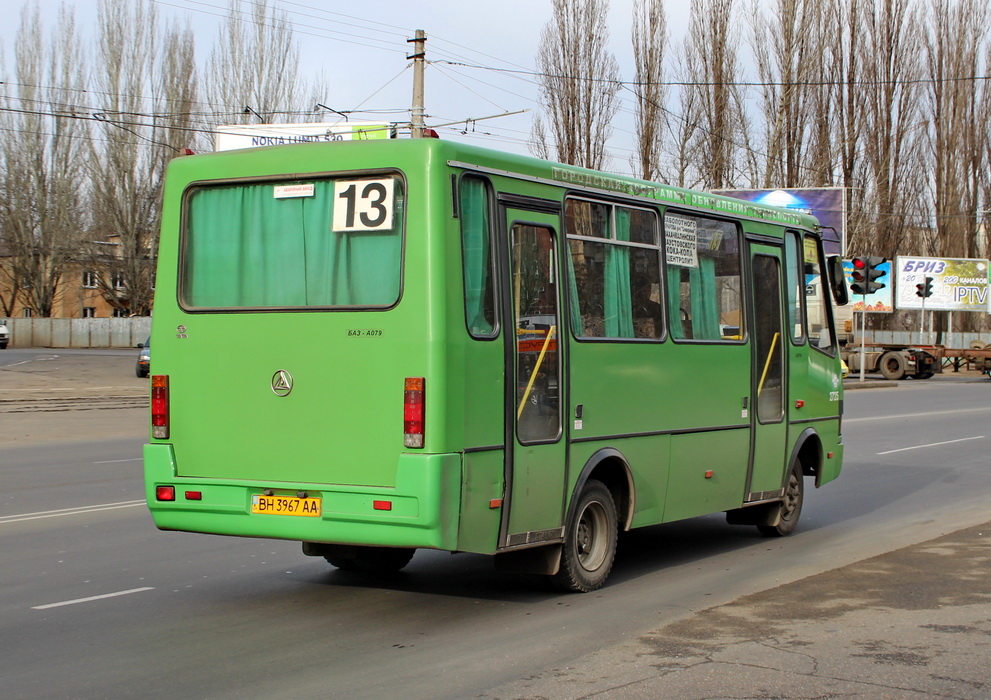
730 83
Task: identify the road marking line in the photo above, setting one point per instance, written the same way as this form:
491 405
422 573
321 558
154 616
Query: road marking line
91 598
79 510
932 444
115 461
927 414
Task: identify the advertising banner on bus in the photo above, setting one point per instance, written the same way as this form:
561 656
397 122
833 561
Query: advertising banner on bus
825 203
254 135
957 284
879 302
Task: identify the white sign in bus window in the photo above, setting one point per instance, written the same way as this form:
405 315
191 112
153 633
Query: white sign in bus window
363 205
681 241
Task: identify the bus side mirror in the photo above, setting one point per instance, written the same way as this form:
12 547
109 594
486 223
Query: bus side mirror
837 280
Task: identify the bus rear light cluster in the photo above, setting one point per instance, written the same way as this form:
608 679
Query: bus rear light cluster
413 412
160 406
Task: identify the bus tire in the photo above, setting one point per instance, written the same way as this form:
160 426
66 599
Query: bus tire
892 365
590 540
791 506
372 560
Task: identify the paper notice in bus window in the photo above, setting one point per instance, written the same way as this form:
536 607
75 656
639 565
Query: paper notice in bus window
681 241
290 191
811 252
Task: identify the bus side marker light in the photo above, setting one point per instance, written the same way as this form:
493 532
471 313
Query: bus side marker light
799 403
413 412
829 455
194 495
495 503
165 493
709 474
382 505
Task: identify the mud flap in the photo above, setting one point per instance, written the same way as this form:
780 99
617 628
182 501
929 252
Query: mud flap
536 560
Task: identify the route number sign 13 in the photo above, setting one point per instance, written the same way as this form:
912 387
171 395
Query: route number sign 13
363 205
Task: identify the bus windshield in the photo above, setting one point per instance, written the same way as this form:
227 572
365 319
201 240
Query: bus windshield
316 243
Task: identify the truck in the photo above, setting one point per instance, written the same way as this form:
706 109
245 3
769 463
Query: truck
892 361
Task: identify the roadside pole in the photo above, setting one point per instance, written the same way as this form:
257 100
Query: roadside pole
419 59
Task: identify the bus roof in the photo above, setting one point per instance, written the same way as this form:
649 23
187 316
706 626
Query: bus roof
492 162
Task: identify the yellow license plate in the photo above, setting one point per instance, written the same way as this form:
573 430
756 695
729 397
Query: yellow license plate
285 505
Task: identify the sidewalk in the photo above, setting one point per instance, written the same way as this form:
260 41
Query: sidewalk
913 623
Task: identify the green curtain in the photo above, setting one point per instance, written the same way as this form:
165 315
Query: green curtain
704 301
475 244
618 302
246 248
705 304
674 301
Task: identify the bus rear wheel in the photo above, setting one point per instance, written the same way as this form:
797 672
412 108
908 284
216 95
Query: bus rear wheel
791 506
590 540
371 560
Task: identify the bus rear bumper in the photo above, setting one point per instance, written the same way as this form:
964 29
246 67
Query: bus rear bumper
420 511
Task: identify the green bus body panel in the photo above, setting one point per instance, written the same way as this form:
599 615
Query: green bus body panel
424 505
673 410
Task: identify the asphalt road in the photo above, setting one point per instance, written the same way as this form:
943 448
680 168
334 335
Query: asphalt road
96 603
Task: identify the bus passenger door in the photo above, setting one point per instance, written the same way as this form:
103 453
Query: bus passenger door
769 390
535 445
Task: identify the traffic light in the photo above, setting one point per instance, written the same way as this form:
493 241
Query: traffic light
924 290
865 273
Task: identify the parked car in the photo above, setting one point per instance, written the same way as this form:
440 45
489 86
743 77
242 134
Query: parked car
143 368
4 335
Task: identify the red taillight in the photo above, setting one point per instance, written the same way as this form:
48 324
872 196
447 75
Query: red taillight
382 505
160 406
194 495
413 412
165 493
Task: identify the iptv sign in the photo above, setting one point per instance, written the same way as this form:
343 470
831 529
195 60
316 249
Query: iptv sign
958 284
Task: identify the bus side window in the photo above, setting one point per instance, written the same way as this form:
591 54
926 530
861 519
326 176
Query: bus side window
703 278
476 248
817 299
795 287
613 272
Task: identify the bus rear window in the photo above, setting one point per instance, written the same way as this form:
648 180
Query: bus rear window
322 243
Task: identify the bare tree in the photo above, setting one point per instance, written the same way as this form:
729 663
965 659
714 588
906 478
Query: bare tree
790 50
709 59
147 80
254 67
683 127
650 36
890 61
848 125
957 33
42 213
579 82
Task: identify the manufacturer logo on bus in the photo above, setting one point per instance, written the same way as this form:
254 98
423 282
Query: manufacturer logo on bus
282 383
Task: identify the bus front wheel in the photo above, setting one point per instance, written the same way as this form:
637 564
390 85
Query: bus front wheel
791 506
590 540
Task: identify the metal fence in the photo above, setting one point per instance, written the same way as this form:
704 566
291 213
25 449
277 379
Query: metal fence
78 332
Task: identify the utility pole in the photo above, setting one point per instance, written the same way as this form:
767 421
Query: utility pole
419 59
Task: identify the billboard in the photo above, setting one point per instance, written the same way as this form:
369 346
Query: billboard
958 284
254 135
880 302
825 203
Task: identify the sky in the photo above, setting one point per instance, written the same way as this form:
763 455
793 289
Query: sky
361 49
